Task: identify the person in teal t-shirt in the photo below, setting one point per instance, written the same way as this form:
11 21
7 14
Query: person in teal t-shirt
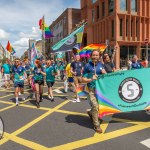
51 71
6 73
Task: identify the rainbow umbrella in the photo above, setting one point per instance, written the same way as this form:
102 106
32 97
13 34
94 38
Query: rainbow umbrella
86 51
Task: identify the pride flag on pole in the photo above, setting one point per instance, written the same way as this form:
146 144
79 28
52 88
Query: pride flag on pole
34 54
10 48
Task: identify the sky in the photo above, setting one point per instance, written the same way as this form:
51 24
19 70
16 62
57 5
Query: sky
19 19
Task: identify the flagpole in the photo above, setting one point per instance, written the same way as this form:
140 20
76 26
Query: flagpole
43 37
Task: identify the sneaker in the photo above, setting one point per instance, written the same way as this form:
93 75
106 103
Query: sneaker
23 99
49 97
78 100
19 93
33 96
38 105
98 129
17 104
74 100
52 99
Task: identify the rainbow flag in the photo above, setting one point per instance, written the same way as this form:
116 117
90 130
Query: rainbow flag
10 48
82 90
41 23
86 51
47 32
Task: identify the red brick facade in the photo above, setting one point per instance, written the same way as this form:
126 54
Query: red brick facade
126 29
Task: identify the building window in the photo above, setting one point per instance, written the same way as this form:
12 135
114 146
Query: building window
121 27
93 1
97 12
93 15
112 28
134 5
123 5
103 9
111 6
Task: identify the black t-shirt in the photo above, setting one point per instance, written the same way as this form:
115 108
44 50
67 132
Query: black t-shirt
77 67
109 67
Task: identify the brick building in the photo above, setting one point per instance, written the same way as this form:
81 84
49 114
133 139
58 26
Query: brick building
63 26
124 23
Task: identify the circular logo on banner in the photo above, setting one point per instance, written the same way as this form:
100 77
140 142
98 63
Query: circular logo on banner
130 90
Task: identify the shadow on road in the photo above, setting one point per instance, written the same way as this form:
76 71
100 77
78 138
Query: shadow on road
80 120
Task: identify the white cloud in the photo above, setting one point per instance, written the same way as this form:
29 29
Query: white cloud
20 18
34 34
3 34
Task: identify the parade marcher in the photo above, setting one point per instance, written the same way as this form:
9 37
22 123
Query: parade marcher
135 63
28 71
6 73
91 72
69 78
77 70
19 76
61 69
38 76
51 72
108 65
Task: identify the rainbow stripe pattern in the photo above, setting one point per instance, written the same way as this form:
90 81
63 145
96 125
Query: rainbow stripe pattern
86 51
106 107
81 90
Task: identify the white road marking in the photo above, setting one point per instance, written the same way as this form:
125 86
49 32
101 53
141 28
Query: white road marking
58 91
146 143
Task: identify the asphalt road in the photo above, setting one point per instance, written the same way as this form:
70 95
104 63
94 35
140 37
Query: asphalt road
64 125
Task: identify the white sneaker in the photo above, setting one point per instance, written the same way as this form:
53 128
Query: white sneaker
78 100
148 112
19 93
33 96
17 103
23 99
49 97
74 100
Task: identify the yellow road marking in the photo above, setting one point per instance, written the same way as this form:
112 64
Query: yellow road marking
24 142
100 138
6 95
7 108
39 118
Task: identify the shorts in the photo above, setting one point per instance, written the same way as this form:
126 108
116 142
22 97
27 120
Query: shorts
19 84
77 79
49 84
70 79
40 82
7 77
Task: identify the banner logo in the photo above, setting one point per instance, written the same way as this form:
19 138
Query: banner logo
130 90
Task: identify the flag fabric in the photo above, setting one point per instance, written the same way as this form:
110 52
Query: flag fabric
9 47
13 52
47 32
123 91
69 42
41 23
86 51
34 54
82 90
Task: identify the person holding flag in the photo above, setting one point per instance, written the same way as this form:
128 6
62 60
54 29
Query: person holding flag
90 73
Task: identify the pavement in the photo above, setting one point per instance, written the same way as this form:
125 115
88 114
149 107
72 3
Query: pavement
64 125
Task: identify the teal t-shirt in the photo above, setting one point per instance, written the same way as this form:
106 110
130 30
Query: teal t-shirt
37 74
49 73
6 68
18 73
